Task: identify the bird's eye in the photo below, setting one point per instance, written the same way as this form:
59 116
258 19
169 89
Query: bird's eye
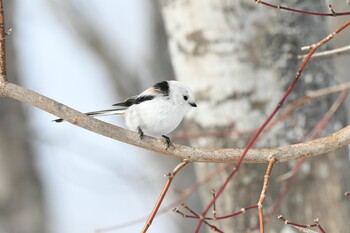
185 97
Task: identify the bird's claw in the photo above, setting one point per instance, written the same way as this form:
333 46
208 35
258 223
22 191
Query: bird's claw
139 130
167 141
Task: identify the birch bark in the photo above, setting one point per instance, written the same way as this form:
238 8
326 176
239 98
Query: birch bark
239 57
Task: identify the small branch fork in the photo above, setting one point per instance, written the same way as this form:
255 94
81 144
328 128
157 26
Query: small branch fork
279 7
195 215
315 224
328 38
338 51
258 206
312 48
163 193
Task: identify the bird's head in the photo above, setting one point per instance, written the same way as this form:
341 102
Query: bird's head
181 94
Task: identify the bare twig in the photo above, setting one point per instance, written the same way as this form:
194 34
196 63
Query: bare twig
279 7
328 38
212 227
242 211
315 224
332 10
328 90
338 51
263 194
163 193
196 216
3 77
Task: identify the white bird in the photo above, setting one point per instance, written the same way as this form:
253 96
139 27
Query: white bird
157 111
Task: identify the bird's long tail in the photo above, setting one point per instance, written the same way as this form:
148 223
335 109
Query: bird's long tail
108 112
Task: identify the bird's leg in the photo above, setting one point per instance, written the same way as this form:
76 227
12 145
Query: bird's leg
139 130
167 141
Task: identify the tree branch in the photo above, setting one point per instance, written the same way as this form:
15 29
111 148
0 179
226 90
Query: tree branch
2 45
282 154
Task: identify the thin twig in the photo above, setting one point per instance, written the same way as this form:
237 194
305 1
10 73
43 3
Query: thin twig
263 194
162 195
212 227
195 216
338 51
316 224
279 7
328 38
242 211
331 9
328 90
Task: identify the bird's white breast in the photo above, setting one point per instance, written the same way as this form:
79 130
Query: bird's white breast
156 117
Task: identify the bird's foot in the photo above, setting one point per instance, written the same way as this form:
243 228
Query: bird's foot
167 141
139 130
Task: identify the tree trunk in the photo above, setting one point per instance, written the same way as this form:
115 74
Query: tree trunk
239 58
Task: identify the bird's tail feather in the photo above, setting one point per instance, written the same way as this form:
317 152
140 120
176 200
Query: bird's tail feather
108 112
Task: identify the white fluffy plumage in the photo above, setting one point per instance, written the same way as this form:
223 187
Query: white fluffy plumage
157 111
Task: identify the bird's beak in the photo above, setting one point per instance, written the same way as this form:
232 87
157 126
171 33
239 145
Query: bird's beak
193 104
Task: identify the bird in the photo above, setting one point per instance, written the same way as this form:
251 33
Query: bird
156 112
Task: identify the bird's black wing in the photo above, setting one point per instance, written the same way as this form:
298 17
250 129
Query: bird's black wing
127 103
135 100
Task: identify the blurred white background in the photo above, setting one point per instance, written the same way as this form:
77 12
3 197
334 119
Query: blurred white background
90 182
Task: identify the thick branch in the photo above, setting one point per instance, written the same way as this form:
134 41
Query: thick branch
302 150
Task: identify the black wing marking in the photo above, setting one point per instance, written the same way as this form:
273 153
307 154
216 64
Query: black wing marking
143 98
127 103
135 100
162 87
